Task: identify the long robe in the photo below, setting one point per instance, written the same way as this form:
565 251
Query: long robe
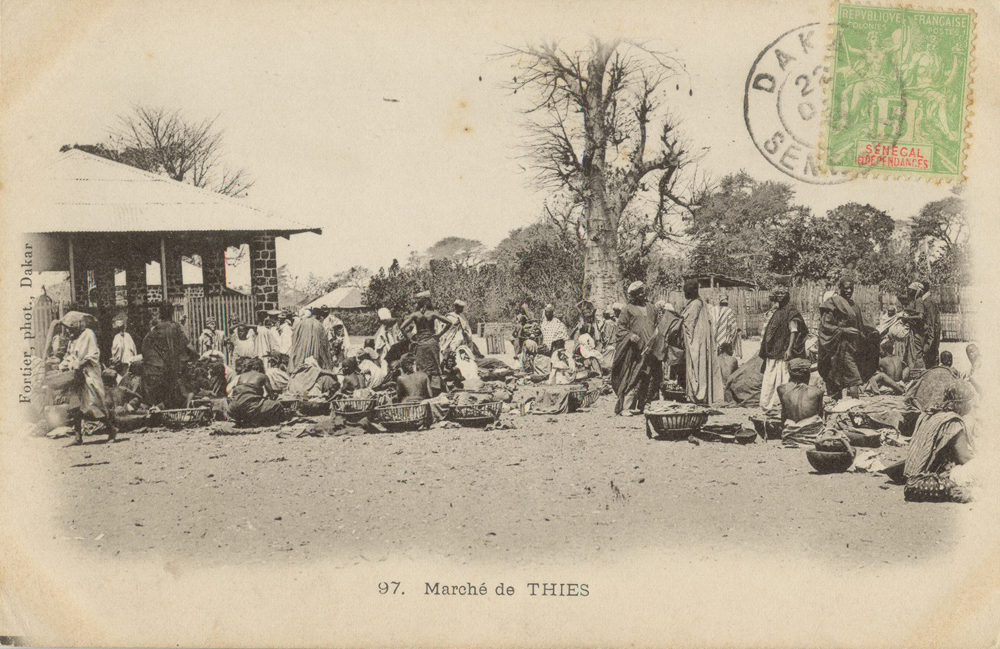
309 338
932 331
727 330
838 350
632 357
703 375
85 356
164 350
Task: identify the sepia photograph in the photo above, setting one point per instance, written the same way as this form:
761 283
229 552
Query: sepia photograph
499 324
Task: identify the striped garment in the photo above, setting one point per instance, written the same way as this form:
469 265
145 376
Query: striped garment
727 330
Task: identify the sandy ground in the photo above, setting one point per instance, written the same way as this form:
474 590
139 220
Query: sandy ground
585 483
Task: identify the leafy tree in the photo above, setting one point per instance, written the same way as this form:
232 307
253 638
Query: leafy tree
467 253
736 227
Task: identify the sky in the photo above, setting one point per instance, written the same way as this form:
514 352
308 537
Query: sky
300 89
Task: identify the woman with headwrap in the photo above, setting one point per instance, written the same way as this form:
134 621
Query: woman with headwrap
943 439
702 375
636 370
426 345
84 358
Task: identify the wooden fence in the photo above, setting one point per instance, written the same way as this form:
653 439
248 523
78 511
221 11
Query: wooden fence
227 310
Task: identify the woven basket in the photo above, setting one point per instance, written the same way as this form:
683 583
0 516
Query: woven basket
403 416
354 410
830 462
676 425
478 414
183 417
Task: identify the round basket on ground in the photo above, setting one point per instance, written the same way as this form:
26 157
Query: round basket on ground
864 439
477 415
830 461
675 425
403 416
185 417
354 410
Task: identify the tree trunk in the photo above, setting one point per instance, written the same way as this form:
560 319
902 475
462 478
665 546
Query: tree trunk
601 274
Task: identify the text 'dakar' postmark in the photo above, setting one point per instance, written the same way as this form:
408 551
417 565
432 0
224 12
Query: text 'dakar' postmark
783 103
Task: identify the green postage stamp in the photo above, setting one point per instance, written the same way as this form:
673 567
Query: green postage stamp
900 92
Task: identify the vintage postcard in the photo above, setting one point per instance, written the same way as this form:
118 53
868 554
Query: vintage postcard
548 324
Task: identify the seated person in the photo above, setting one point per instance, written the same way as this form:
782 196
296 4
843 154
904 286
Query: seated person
943 440
801 407
727 362
249 399
946 359
562 367
310 380
351 379
274 368
587 347
465 363
374 370
412 386
891 372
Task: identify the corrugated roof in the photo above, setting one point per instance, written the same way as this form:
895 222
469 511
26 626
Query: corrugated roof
81 192
345 297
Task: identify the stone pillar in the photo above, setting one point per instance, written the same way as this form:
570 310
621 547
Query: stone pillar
104 276
263 272
135 291
81 283
213 269
175 273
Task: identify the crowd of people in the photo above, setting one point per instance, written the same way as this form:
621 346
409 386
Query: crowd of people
644 351
256 371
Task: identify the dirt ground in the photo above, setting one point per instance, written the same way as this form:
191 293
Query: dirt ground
585 483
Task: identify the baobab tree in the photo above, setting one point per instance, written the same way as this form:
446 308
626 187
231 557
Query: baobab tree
600 138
